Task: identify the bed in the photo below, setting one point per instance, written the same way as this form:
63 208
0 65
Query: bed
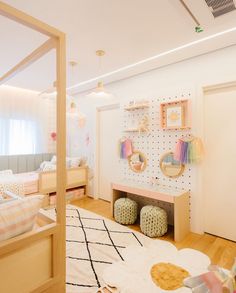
75 177
13 258
20 218
21 172
21 184
41 252
43 182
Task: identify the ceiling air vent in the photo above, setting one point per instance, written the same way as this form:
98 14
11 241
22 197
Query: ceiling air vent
220 7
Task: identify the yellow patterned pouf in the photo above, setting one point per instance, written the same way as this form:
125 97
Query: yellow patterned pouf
125 211
153 221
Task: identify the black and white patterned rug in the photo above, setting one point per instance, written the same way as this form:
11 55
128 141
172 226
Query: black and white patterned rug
92 244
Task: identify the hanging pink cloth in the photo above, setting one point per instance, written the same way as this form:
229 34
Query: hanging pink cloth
128 148
125 148
177 153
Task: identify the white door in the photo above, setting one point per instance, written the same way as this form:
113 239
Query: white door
220 163
109 133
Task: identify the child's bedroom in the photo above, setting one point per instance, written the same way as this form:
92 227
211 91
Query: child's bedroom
117 146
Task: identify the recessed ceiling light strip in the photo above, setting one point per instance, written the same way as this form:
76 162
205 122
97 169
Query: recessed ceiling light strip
185 46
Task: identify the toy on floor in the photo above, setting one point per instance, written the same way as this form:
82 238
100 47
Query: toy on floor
215 281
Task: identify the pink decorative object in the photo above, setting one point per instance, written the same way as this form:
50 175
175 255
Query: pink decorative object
53 136
125 148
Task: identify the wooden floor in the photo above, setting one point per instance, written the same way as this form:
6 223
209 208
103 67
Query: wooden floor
221 251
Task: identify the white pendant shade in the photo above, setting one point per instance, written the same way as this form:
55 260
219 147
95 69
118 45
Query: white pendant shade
100 93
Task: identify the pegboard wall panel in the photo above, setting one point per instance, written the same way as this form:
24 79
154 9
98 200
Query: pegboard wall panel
154 144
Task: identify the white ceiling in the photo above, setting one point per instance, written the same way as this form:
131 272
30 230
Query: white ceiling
128 30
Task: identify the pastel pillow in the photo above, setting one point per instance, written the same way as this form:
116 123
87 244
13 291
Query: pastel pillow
70 162
54 160
6 172
49 167
18 216
43 164
74 162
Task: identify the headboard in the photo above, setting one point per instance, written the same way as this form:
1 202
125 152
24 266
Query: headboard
23 163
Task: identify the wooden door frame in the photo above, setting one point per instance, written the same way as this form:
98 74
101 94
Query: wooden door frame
100 109
208 85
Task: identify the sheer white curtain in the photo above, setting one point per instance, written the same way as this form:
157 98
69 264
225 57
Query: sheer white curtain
23 122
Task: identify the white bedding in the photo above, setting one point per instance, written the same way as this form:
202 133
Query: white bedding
12 184
30 181
21 184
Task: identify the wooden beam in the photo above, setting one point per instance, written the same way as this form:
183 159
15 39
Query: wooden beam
27 20
60 240
27 61
57 40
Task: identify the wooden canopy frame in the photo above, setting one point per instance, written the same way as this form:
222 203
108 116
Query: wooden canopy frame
35 261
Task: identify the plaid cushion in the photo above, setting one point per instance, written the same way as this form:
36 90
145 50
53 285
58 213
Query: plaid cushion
18 216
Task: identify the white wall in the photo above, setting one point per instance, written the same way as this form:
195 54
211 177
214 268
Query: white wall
192 74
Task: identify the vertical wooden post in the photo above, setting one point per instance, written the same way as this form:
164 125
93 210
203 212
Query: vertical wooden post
56 281
61 160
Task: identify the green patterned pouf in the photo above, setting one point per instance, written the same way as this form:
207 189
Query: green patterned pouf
125 211
153 221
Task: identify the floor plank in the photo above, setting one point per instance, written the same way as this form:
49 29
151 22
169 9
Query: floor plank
221 251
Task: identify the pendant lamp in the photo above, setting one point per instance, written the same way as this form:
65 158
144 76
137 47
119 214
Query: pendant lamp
100 90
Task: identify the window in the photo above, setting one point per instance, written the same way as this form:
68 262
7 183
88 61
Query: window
17 136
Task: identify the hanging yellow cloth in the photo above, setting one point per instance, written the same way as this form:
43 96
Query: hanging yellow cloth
189 150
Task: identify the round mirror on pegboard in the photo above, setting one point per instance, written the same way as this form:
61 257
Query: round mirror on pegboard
137 162
170 167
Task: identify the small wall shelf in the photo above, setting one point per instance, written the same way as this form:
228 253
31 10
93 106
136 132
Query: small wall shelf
136 107
178 128
175 115
134 130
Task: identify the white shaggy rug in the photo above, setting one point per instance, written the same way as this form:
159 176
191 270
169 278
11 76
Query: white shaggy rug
93 243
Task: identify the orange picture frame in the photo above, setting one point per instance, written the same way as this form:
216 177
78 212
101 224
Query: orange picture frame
175 115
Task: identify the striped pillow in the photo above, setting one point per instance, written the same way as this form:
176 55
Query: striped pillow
18 216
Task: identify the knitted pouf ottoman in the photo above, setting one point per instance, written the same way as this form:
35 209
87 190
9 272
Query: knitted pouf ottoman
125 211
153 221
